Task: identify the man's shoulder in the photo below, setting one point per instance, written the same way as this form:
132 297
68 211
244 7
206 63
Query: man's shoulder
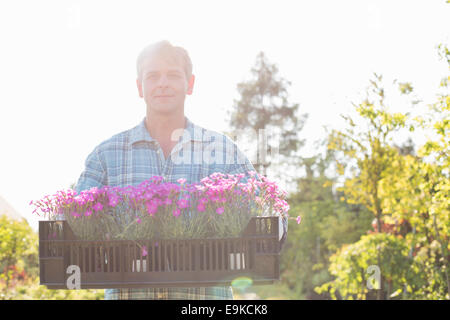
118 140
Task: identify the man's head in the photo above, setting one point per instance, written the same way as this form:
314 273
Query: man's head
164 77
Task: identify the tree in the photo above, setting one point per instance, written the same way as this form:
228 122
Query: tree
428 205
407 193
16 242
264 110
368 148
351 263
326 225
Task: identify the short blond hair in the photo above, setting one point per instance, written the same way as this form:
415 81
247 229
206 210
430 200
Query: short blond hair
168 50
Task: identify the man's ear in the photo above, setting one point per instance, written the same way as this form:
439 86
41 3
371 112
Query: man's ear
139 86
191 85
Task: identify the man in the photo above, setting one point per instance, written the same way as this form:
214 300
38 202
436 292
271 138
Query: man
166 144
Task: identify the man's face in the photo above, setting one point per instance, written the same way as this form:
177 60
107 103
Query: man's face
163 84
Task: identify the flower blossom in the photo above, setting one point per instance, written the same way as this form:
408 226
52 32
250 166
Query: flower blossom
176 212
98 206
183 203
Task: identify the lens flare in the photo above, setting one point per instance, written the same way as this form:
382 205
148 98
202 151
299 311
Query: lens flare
241 283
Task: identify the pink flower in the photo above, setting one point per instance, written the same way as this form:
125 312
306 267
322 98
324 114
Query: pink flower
144 251
181 181
75 214
199 188
182 203
88 213
176 212
299 219
219 210
98 206
148 195
94 190
201 207
206 180
138 220
240 176
113 201
152 207
80 200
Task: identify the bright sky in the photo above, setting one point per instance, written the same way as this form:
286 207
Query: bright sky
67 69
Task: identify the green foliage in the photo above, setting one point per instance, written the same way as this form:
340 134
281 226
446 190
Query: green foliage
408 195
327 224
405 87
368 148
350 264
31 290
17 241
19 277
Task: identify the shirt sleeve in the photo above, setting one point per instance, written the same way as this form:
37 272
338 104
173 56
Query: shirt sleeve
241 164
94 174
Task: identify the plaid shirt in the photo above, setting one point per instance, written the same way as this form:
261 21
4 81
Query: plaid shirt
133 156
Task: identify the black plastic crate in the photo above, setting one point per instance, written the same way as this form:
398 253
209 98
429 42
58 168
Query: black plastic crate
168 263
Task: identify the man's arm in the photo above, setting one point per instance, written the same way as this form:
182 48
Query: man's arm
94 174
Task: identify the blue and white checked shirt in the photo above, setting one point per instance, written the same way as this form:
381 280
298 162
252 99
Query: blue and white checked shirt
132 156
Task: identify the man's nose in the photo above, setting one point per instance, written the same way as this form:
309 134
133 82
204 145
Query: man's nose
163 81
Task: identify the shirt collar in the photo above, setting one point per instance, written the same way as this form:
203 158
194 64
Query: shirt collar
192 132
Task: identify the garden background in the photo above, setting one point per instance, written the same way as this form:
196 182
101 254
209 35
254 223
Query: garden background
361 102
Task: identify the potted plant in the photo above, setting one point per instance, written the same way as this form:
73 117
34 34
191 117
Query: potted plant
220 206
